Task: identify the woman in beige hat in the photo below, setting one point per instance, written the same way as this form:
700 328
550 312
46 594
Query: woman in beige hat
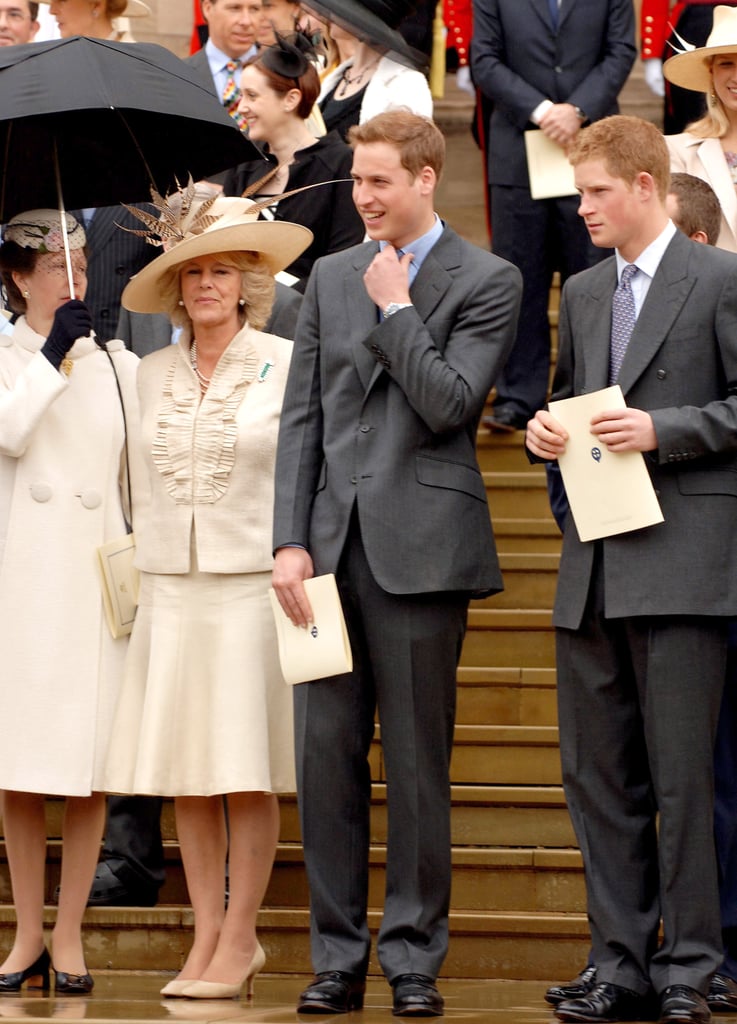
204 714
98 19
708 148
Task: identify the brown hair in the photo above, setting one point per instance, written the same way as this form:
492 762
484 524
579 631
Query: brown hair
307 83
418 139
33 10
15 258
698 206
114 8
257 288
628 146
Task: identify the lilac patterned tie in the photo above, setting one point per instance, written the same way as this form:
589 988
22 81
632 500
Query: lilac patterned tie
623 321
232 94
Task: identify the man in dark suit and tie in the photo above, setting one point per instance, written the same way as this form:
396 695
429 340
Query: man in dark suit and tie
377 481
553 65
641 617
232 27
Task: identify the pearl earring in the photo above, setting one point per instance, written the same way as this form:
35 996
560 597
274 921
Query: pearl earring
181 302
26 294
241 302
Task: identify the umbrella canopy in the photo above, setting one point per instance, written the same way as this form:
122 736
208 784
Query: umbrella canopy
120 117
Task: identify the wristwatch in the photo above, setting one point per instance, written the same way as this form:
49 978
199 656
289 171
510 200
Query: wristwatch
580 115
394 307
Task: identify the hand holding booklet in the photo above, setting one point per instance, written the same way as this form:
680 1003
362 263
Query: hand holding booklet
321 650
609 492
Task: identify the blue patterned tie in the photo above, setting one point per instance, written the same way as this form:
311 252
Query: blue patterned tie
623 321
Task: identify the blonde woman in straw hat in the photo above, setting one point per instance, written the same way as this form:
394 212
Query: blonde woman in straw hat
98 19
204 711
708 148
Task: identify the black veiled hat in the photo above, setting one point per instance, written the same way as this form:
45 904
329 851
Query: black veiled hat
374 22
289 56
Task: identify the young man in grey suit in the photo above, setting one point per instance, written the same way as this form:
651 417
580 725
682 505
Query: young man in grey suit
641 617
398 343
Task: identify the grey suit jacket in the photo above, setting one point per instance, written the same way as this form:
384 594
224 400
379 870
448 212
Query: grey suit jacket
201 65
384 414
680 366
518 61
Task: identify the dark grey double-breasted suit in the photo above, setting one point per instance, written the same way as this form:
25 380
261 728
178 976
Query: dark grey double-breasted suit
641 623
377 477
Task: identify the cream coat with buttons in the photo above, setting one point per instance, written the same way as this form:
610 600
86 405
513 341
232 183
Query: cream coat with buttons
61 442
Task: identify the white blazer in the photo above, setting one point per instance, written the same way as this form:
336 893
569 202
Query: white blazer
390 87
704 158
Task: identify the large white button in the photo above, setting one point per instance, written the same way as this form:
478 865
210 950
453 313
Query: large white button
91 498
41 492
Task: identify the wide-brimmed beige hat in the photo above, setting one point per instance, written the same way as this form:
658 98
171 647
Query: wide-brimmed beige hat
133 9
692 69
230 227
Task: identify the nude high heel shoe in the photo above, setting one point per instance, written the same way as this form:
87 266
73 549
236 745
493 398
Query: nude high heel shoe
175 988
219 990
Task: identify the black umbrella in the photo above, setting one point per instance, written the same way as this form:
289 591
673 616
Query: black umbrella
116 118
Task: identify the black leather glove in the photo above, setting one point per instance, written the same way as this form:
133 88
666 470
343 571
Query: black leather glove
71 321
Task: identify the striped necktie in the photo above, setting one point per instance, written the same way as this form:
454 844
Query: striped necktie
232 94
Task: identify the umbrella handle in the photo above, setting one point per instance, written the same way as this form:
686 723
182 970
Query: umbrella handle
63 218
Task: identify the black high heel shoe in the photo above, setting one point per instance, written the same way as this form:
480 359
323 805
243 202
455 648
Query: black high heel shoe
72 984
37 976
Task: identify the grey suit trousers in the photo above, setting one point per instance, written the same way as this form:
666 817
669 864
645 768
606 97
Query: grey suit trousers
406 650
638 702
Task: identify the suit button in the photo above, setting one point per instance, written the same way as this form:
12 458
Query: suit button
354 479
364 428
91 498
41 492
558 69
661 374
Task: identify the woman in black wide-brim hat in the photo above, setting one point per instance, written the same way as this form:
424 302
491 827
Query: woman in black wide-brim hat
383 72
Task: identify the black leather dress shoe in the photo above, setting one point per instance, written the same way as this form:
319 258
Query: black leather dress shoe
581 985
416 995
332 992
110 891
606 1002
504 421
680 1004
722 994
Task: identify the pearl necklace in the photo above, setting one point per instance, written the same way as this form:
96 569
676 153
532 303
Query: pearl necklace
347 80
204 381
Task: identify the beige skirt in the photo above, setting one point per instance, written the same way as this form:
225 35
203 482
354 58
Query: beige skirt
204 708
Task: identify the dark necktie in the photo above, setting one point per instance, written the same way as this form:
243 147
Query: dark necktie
623 321
553 6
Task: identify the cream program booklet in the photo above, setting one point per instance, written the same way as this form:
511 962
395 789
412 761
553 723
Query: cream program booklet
609 492
321 650
548 167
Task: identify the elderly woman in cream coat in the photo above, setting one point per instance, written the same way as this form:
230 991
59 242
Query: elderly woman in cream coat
204 711
62 443
708 149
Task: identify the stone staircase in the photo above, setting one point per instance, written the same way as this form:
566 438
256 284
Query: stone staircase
517 882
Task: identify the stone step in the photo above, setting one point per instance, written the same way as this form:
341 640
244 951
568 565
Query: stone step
490 878
530 579
515 494
483 944
506 696
527 535
509 636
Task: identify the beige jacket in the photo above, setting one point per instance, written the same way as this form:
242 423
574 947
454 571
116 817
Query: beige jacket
208 466
704 158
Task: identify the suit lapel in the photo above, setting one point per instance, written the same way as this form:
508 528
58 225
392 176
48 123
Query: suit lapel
102 227
593 319
668 291
361 313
